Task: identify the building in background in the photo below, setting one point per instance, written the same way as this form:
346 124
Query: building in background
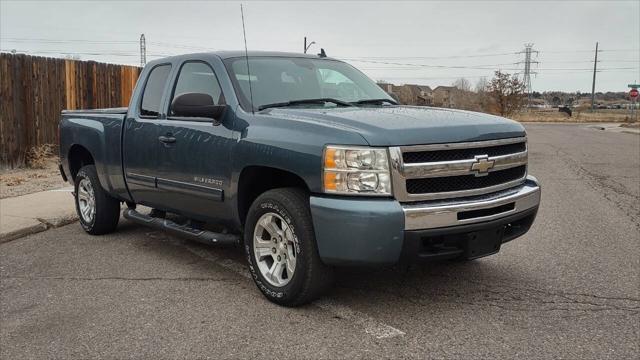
443 96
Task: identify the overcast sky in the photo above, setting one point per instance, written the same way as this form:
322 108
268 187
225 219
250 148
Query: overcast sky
421 42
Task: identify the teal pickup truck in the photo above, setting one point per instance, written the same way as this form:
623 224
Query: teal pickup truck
304 162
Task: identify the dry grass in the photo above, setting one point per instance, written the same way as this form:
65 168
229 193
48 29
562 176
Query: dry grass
39 156
553 115
21 181
13 180
41 173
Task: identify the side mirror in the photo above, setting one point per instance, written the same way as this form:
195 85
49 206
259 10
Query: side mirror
196 105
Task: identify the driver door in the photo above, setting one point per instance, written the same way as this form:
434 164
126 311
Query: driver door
195 167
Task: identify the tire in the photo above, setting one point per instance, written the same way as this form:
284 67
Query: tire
288 210
106 210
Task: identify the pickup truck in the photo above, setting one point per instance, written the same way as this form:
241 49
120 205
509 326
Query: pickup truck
303 162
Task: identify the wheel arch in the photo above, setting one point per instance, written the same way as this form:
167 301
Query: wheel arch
255 180
78 156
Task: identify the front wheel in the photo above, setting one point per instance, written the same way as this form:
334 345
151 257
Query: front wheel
98 211
281 248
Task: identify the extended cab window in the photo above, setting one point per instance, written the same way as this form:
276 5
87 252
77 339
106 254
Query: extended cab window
198 77
152 94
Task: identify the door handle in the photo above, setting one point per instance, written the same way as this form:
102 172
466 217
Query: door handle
167 139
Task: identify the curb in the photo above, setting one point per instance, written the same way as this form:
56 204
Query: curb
45 224
14 235
630 132
36 212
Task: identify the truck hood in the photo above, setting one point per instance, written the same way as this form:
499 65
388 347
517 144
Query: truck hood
407 125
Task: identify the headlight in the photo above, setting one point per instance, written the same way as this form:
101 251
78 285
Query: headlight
356 170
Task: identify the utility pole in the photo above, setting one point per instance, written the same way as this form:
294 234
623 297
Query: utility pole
143 51
593 84
528 50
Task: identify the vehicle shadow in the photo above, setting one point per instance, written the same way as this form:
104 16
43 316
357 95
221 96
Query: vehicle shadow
487 281
483 282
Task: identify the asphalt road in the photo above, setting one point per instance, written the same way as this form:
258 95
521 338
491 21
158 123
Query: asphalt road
569 288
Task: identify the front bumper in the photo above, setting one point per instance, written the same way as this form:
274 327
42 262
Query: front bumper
445 213
356 231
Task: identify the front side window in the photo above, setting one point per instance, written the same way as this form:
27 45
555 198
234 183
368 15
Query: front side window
282 79
198 77
153 90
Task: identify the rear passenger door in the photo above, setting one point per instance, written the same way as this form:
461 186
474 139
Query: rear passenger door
141 145
195 169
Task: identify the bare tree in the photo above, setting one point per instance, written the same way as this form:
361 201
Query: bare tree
462 84
481 85
482 96
507 93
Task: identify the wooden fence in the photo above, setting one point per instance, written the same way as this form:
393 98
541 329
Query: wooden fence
34 90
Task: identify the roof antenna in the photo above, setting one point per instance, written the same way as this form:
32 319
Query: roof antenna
322 53
246 55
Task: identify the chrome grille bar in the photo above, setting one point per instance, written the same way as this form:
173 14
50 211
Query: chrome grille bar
461 167
463 145
401 172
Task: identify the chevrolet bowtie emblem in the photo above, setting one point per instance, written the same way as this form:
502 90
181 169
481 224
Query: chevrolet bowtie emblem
482 165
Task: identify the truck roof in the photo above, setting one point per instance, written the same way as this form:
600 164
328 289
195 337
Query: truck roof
226 54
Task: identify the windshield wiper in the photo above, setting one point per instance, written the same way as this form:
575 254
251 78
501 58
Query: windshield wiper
374 102
305 101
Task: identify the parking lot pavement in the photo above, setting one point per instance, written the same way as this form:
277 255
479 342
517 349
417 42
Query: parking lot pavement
569 288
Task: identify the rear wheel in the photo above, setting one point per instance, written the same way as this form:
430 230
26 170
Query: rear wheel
281 249
98 211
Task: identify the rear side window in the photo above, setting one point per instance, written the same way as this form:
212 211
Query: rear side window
152 94
198 77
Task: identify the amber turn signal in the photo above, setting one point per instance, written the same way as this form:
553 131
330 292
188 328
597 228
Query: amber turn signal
330 182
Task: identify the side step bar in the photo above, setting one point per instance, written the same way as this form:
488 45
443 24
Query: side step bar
202 236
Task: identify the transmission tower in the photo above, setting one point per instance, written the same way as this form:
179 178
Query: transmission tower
528 50
143 51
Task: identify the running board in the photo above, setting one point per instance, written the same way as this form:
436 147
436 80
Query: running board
202 236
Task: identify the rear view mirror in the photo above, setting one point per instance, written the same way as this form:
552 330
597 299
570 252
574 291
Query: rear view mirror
196 105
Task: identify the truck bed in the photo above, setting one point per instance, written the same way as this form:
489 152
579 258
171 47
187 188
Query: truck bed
118 110
99 131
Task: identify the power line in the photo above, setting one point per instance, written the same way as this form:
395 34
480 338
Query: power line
416 66
64 52
476 56
398 66
427 57
181 46
476 67
479 67
579 51
169 44
62 41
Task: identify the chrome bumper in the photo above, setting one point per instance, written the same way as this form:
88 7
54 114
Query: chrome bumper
444 213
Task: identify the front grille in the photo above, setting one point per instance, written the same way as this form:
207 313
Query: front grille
461 154
465 182
447 171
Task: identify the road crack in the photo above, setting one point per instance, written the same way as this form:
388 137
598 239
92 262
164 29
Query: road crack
506 297
606 186
117 278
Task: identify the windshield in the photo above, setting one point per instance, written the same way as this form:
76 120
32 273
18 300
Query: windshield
281 80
